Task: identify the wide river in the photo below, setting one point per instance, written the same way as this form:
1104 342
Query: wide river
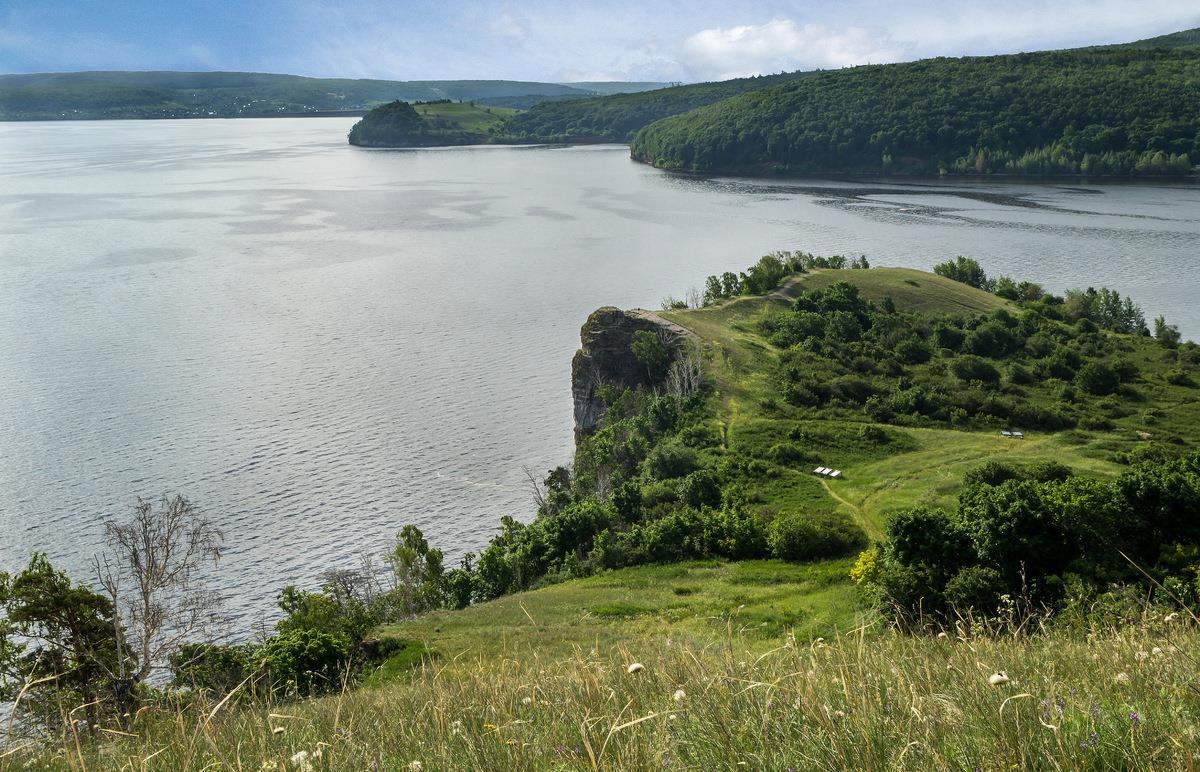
318 344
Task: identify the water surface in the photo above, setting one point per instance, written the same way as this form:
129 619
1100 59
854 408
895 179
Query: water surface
319 343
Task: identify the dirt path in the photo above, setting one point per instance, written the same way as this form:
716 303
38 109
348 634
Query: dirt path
857 510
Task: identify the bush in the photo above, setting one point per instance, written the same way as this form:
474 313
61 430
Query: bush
310 661
972 368
671 459
701 489
975 588
810 536
1098 378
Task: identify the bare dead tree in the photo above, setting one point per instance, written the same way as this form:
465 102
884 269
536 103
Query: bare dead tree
154 576
685 376
538 490
694 297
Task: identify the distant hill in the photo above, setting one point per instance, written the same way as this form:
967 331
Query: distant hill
83 95
617 118
1118 110
400 124
1184 39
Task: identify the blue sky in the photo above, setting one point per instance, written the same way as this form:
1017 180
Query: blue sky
550 40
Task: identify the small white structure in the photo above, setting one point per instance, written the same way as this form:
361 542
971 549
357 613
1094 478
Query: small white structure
835 473
1005 433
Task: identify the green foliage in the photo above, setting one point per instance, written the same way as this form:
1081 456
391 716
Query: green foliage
967 271
1112 111
305 661
1026 532
128 94
60 638
814 536
212 667
617 118
654 355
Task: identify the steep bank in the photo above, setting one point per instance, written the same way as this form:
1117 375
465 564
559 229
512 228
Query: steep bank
606 359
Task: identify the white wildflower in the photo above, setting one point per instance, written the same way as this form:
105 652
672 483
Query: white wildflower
301 761
1141 655
1121 678
635 667
527 701
679 695
415 766
999 678
1156 651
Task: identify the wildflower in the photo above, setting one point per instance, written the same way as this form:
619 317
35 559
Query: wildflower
415 766
1156 651
635 667
672 717
1172 617
490 727
1121 678
999 678
1134 718
301 761
527 701
1141 656
679 695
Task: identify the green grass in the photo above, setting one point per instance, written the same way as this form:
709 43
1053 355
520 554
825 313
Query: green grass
463 116
700 601
920 465
912 290
872 700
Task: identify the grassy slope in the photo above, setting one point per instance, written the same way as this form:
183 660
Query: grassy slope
701 602
465 116
927 466
538 680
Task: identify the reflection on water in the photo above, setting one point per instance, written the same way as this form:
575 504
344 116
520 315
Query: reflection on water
319 344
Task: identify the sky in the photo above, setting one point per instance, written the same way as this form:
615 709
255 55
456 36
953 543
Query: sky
552 40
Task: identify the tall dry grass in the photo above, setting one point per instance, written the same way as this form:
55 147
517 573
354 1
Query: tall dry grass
1116 699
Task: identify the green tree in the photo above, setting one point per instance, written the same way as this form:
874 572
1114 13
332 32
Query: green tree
649 349
61 639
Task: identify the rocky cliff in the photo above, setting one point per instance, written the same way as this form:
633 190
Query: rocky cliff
605 359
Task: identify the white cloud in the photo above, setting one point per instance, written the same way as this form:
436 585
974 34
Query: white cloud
781 45
508 26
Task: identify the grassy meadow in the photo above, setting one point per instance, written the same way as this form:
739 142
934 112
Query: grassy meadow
921 465
866 698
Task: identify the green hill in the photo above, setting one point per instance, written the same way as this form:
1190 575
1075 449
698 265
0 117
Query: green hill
1184 39
399 124
81 95
1102 111
617 118
639 625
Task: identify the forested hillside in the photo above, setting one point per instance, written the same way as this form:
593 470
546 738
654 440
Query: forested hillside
1105 111
82 95
617 118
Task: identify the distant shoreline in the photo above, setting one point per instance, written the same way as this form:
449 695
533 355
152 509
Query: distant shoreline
309 114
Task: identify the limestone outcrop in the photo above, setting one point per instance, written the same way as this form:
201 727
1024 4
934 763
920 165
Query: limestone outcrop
605 359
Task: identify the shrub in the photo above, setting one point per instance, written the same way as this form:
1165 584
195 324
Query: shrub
975 588
1097 378
972 368
310 661
671 459
701 489
809 536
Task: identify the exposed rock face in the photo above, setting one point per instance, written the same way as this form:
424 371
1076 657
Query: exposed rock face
606 359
